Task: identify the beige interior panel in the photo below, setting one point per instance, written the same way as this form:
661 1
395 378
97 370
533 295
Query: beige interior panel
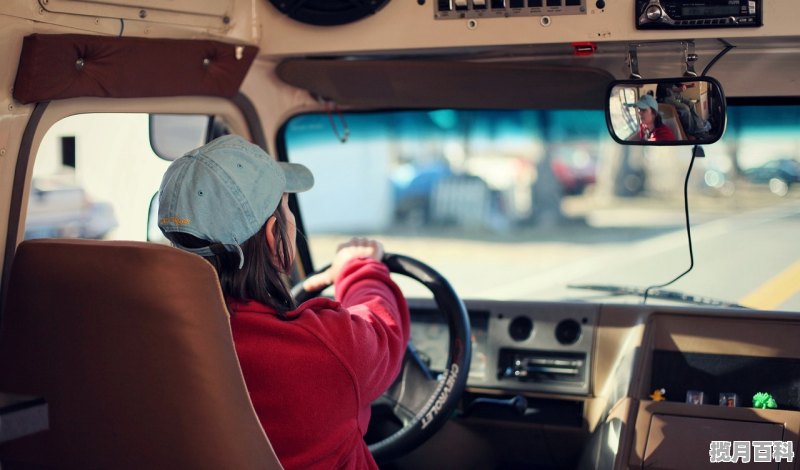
742 336
676 436
408 26
618 339
670 436
619 332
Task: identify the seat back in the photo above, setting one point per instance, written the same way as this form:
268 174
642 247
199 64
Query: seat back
671 119
130 345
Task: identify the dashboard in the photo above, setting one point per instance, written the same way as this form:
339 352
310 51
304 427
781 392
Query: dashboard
593 368
516 347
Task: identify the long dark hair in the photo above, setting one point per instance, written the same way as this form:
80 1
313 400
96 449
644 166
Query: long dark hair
259 279
658 122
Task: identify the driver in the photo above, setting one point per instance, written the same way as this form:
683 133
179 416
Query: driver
311 370
651 127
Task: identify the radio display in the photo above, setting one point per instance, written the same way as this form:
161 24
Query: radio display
716 10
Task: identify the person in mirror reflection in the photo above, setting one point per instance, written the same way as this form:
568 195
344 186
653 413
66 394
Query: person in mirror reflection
311 370
651 127
672 93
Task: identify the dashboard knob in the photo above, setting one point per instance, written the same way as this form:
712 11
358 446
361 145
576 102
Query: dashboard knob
654 12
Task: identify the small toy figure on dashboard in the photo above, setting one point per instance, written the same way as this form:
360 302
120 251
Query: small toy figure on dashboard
731 400
764 400
694 397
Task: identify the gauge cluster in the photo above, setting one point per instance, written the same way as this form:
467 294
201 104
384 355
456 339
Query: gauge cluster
516 346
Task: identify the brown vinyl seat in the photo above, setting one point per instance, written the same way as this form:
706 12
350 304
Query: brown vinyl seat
130 345
671 119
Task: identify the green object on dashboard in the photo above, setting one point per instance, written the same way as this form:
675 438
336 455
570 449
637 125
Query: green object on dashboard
764 400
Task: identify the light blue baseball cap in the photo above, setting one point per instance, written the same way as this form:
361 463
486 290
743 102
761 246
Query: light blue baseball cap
224 192
647 101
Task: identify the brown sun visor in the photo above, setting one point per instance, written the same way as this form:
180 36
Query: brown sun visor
59 66
423 83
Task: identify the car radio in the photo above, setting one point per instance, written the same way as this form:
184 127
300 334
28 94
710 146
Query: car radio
682 14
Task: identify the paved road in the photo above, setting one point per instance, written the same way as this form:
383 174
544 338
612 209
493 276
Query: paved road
752 258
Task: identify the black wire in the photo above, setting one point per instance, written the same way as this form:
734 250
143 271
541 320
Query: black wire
688 228
728 47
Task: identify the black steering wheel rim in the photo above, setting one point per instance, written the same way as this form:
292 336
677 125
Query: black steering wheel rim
453 380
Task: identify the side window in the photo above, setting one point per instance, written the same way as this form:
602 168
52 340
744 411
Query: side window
95 175
628 119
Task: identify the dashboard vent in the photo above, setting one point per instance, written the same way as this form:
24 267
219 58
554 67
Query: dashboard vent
328 12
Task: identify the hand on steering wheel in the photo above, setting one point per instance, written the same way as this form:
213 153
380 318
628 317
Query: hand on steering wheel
354 248
421 402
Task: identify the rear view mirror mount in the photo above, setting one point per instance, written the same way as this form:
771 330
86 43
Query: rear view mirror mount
666 111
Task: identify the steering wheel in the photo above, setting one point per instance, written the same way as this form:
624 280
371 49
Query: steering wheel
418 399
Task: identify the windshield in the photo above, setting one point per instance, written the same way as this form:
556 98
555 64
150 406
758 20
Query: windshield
522 204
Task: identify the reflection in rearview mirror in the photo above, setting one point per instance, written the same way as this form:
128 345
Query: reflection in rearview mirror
673 111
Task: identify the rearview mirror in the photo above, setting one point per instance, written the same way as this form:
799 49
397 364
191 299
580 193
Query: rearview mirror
667 111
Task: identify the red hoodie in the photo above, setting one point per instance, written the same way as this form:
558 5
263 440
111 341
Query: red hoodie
312 379
661 133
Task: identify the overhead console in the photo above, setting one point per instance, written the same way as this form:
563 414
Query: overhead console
479 26
455 9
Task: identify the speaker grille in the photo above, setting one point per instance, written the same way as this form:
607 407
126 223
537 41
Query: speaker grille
328 12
